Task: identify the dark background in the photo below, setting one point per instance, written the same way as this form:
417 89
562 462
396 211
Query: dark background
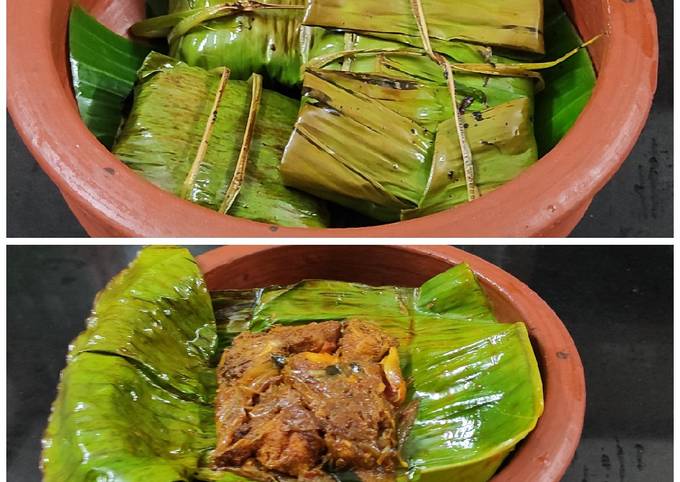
615 301
638 202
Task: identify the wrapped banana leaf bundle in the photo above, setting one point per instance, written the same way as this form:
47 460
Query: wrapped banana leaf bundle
406 109
214 141
143 394
291 45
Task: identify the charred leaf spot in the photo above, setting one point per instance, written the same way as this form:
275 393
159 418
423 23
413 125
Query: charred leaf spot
467 102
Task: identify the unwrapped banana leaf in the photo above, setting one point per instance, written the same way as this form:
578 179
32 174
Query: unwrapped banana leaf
238 172
448 336
127 409
135 399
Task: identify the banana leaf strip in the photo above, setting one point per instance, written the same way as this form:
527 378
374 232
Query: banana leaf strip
569 85
103 69
164 151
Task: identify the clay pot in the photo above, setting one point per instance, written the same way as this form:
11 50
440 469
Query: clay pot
110 200
547 452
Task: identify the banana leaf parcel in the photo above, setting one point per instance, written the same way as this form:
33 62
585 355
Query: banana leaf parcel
430 139
388 147
135 401
214 141
274 38
391 174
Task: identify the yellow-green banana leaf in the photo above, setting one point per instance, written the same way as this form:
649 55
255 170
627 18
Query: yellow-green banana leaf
515 24
161 138
367 142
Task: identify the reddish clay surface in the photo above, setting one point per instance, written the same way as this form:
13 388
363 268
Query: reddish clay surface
547 452
110 200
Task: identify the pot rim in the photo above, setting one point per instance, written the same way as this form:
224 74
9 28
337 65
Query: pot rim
95 182
546 453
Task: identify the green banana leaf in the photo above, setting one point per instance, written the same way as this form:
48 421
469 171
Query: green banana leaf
209 33
568 86
281 40
168 331
103 69
128 405
165 151
480 393
269 42
126 408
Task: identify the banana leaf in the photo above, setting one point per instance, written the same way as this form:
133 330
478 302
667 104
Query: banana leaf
568 86
166 152
168 331
515 24
502 144
274 41
264 41
128 405
390 174
103 69
479 393
124 411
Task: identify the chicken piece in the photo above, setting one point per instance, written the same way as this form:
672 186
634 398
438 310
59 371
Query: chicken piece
280 432
348 399
258 348
292 453
362 341
230 415
292 399
312 337
248 349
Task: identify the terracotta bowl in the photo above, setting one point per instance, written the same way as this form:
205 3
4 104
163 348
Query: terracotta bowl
110 200
547 452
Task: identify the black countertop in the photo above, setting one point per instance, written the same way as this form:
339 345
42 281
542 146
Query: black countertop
638 202
616 302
